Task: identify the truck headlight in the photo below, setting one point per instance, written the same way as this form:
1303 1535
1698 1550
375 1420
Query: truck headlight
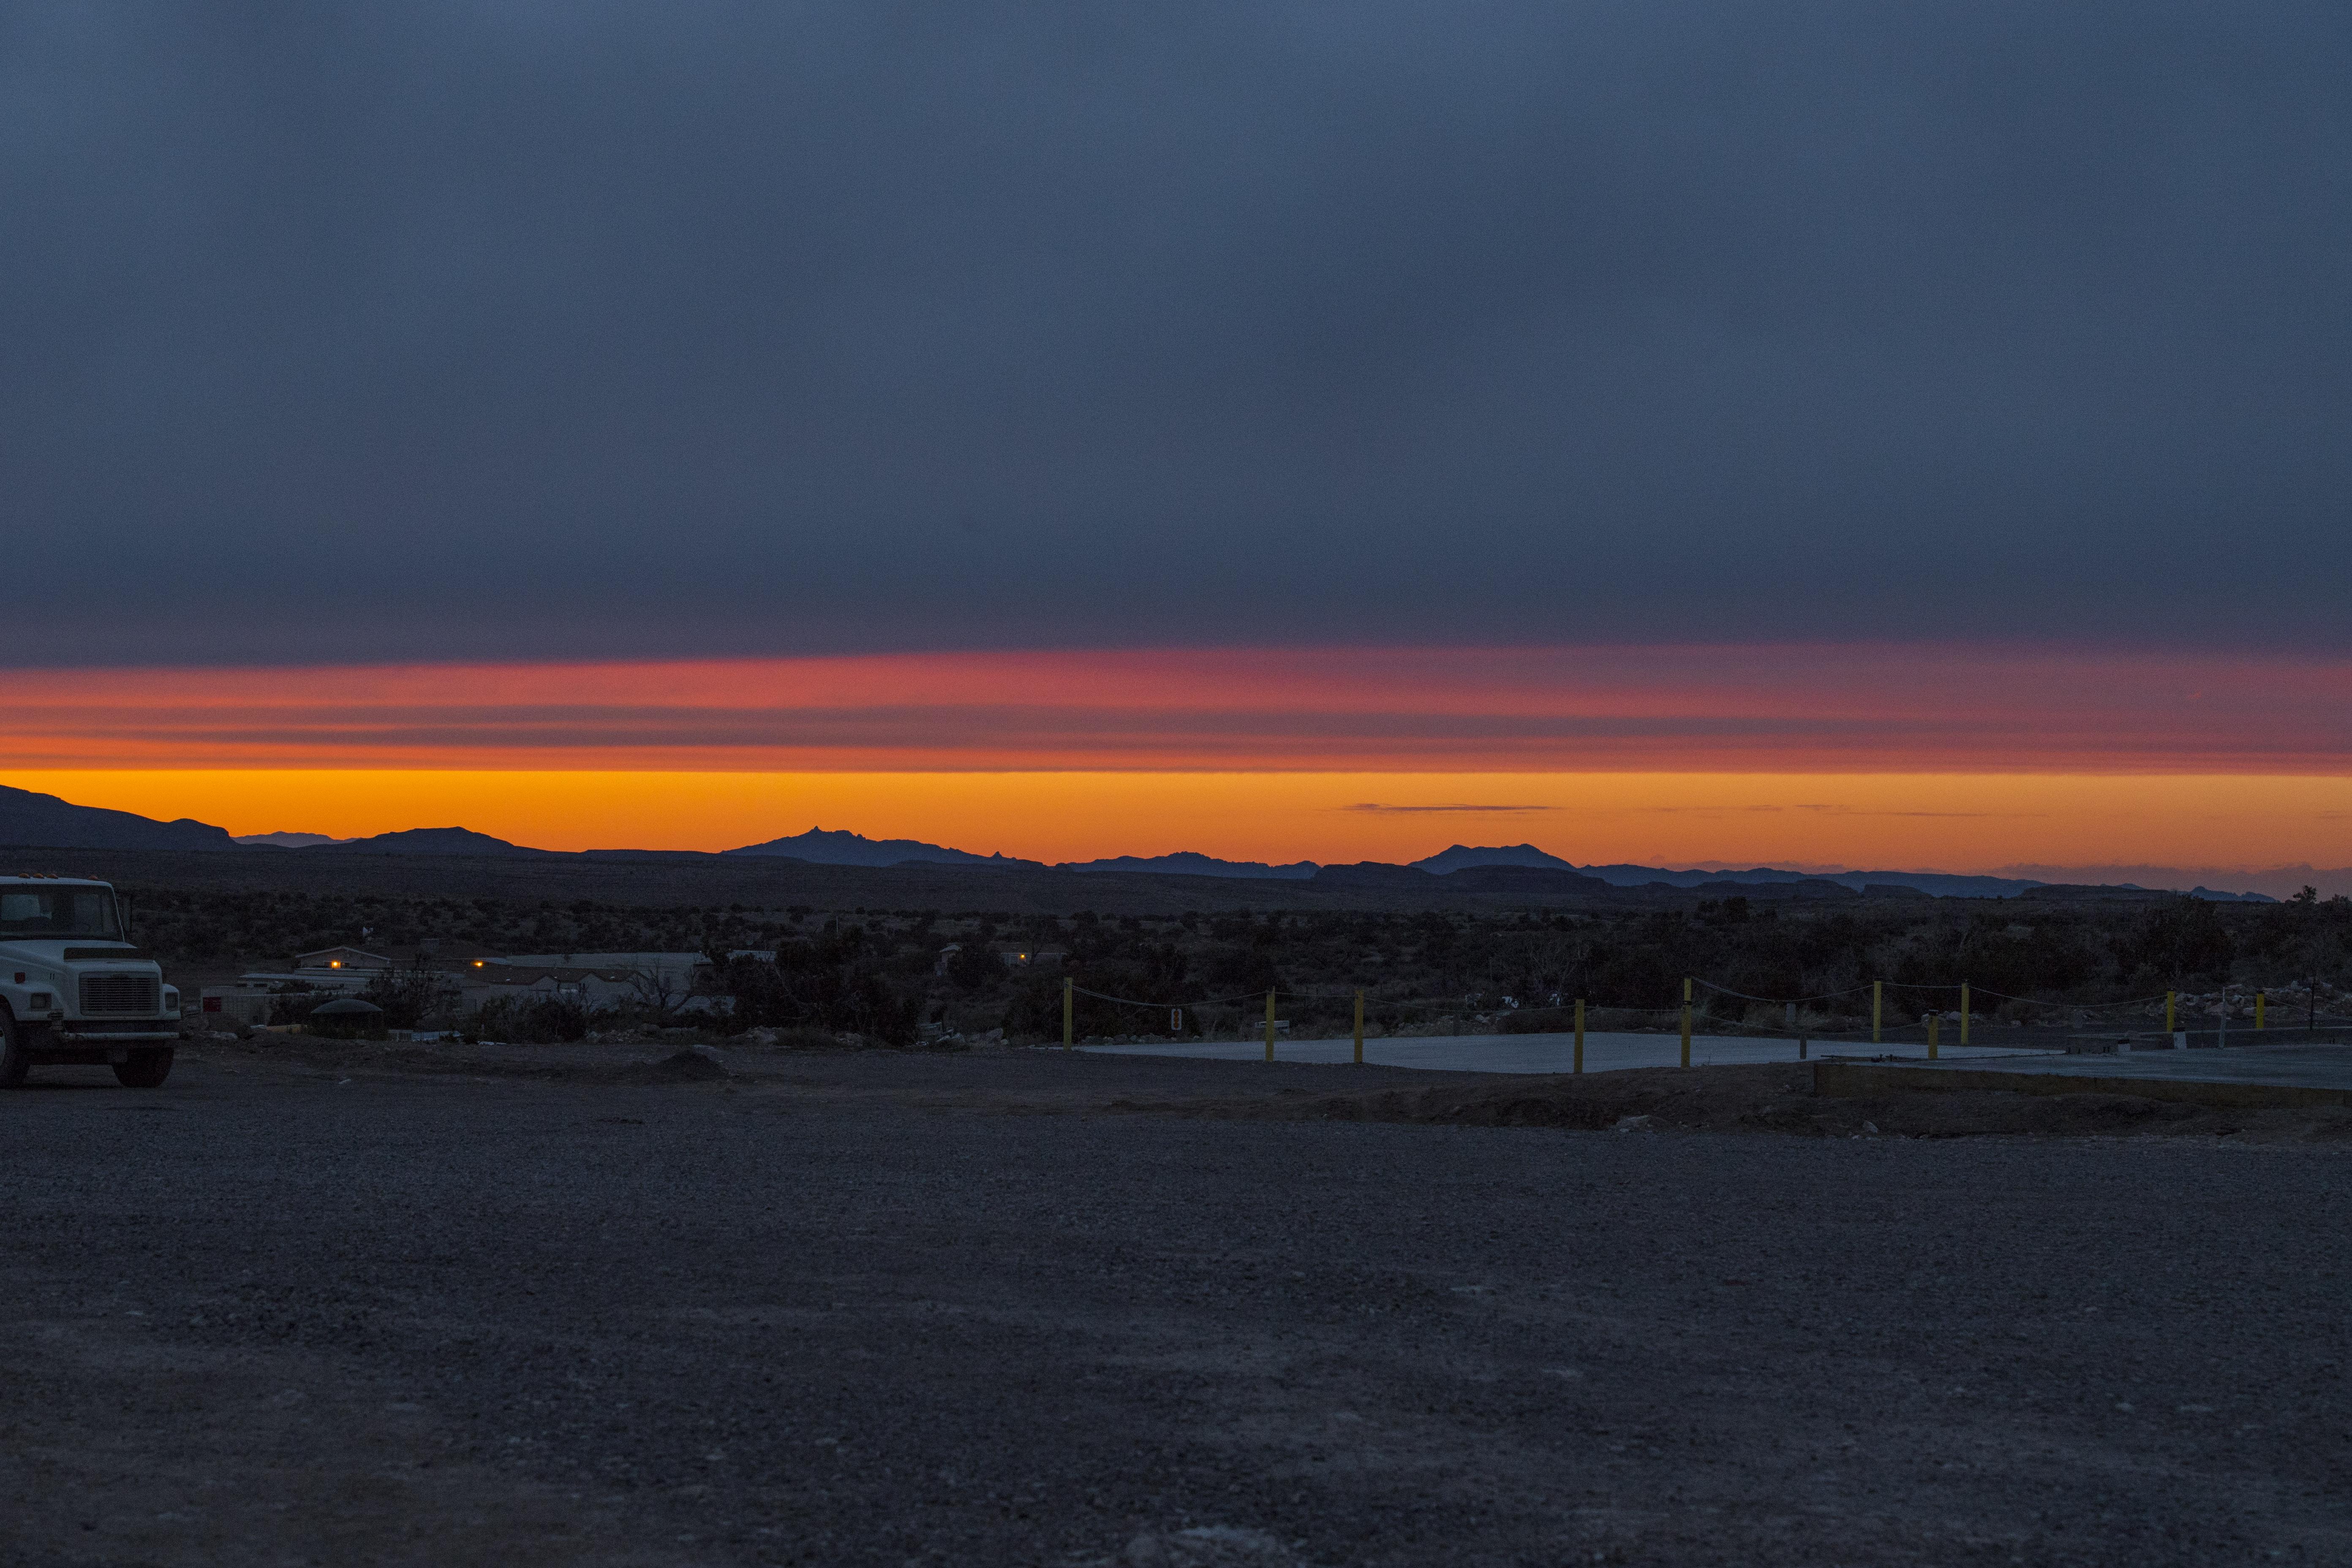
170 1001
39 1002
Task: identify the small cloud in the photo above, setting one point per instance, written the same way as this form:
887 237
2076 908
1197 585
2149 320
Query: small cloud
1426 810
2004 815
1831 810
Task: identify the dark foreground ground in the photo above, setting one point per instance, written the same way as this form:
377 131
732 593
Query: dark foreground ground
959 1312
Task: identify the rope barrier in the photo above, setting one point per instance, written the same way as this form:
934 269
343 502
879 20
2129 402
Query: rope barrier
1781 1001
1131 1002
2086 1006
1468 1005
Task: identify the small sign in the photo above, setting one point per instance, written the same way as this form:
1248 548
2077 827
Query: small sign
1175 1020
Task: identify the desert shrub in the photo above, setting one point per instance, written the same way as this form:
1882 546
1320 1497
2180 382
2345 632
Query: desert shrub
974 966
294 1007
2180 939
528 1021
409 996
345 1025
834 982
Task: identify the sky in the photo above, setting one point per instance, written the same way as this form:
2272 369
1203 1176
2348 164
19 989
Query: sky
1424 401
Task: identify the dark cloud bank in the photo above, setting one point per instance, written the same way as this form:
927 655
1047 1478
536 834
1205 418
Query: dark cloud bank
359 331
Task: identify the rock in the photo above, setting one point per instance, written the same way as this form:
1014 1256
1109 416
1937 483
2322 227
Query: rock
1870 1127
1207 1546
680 1067
1633 1124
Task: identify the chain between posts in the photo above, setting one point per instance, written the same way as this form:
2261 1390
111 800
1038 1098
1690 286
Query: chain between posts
1361 1001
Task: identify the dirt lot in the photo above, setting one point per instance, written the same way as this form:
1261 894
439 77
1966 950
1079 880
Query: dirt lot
385 1305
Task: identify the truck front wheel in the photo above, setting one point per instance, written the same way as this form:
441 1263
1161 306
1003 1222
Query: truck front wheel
145 1069
14 1057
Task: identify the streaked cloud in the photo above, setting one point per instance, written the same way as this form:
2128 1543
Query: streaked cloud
1773 707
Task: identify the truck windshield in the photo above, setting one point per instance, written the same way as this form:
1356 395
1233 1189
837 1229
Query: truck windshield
45 914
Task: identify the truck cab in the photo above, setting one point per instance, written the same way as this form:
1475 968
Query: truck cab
74 989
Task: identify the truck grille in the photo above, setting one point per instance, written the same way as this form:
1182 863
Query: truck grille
118 993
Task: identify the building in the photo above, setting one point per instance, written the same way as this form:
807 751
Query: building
342 958
475 975
348 982
586 988
225 1006
434 953
431 954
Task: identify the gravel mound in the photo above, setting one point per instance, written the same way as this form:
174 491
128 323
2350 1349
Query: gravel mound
1767 1099
679 1066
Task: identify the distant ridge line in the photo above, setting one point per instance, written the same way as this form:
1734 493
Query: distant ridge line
35 820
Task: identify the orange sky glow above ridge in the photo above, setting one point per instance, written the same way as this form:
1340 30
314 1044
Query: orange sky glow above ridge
1913 821
1958 757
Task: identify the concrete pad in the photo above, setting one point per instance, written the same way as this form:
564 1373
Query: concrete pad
1537 1053
2305 1074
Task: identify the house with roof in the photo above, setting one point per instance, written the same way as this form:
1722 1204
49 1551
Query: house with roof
332 958
589 988
432 952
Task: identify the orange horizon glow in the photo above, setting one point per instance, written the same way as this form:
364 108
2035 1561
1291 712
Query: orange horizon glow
1882 821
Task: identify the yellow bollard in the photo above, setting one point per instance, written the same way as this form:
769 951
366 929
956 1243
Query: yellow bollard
2261 998
1579 1034
1934 1023
1359 1028
2169 998
1686 1012
1877 1008
1964 1012
1069 1006
1269 1026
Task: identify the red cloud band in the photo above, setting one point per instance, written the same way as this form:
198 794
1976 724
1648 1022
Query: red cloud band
1784 708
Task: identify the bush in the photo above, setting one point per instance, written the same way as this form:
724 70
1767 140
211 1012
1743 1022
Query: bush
807 1040
535 1021
2180 939
973 967
834 982
410 997
345 1025
294 1007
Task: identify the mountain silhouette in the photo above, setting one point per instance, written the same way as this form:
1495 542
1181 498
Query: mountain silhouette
47 822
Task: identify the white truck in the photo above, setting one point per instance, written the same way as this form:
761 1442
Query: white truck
74 989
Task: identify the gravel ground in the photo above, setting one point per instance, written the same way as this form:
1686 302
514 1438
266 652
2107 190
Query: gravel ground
916 1310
